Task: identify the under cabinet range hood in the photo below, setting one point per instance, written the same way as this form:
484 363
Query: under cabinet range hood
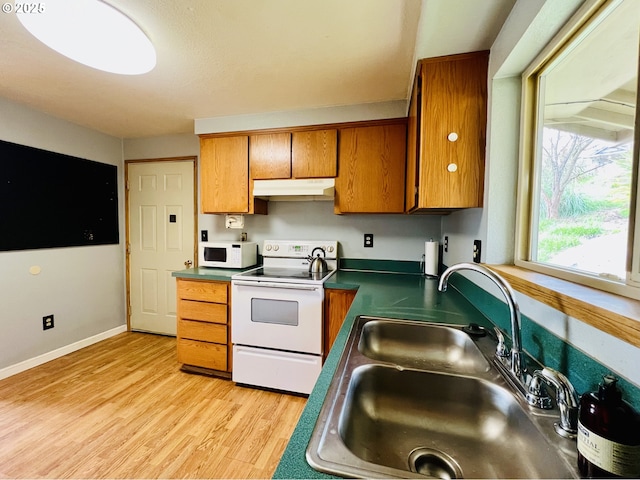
295 189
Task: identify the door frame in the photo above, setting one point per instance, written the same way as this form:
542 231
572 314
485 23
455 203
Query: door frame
193 159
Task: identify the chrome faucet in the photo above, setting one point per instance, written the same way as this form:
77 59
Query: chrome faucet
566 398
515 361
512 363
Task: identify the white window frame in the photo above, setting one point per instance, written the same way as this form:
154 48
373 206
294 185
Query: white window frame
530 129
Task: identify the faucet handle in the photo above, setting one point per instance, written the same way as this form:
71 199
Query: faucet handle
501 349
566 398
537 395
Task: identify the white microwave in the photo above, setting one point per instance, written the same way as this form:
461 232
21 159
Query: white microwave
227 254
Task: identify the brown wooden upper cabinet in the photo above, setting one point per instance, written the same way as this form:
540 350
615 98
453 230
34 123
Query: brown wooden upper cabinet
224 176
314 154
447 133
270 155
304 154
371 176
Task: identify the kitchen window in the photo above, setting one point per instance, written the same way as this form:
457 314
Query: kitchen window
578 175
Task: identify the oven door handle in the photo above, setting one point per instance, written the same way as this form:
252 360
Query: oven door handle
284 286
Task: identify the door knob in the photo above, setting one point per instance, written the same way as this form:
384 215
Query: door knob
188 263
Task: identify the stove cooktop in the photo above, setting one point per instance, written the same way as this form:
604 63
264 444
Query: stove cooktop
266 273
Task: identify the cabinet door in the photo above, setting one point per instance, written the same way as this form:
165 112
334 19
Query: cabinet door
224 174
413 144
314 154
336 305
454 102
270 156
371 169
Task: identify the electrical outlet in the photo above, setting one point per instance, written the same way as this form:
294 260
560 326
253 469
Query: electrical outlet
477 250
445 244
47 322
204 235
368 239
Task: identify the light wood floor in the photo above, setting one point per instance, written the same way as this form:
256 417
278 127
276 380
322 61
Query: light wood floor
123 409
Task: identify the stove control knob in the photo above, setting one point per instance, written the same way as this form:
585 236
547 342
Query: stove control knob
267 247
276 248
329 249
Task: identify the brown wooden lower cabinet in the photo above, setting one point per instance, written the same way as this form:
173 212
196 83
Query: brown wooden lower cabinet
336 305
204 327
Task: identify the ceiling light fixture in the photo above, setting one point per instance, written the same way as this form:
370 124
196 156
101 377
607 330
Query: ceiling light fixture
93 33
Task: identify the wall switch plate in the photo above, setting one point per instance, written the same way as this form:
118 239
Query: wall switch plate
477 250
368 240
204 235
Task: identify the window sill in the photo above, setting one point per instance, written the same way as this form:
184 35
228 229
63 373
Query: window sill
613 314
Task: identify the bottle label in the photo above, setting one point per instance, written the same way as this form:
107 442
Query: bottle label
616 458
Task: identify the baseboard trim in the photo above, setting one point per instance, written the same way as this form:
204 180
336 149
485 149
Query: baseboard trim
59 352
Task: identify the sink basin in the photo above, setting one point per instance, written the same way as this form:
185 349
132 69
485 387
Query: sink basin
442 425
416 400
422 346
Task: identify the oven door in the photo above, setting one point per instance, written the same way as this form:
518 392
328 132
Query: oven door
281 316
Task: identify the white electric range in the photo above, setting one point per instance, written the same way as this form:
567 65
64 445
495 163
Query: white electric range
277 316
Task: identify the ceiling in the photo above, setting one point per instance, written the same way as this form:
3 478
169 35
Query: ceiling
219 58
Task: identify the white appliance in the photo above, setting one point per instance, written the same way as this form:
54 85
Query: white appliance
227 254
276 316
295 189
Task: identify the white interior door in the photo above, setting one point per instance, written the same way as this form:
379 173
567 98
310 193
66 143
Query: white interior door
161 237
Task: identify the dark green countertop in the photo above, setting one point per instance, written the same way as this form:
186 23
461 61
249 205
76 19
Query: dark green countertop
379 294
204 273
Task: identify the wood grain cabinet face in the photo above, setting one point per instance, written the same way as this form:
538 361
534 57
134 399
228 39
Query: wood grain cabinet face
225 185
224 174
371 173
447 133
203 325
304 154
413 147
270 156
336 305
314 154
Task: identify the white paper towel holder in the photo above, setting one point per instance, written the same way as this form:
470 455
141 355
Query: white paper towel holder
434 263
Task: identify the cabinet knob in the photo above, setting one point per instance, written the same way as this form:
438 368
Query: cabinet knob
452 137
452 167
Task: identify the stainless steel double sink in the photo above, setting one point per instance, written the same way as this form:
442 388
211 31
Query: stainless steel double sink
415 399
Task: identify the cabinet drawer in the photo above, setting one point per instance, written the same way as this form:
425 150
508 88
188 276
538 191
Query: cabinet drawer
202 354
204 331
203 291
202 311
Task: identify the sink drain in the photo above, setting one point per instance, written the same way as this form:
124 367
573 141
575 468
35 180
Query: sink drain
434 463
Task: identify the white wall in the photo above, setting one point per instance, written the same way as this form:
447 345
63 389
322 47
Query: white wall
84 287
531 25
395 237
